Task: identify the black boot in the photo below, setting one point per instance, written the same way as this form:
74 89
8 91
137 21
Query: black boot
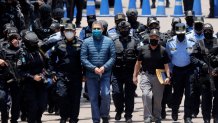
105 120
174 115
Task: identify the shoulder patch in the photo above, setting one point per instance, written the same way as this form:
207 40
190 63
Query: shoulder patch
188 32
170 40
191 39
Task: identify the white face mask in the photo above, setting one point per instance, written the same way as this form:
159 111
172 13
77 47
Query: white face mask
69 35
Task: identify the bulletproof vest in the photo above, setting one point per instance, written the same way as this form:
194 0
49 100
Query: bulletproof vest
208 49
137 30
43 29
11 57
126 53
88 32
7 53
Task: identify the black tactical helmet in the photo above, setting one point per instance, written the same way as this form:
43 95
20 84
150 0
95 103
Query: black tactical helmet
30 38
45 11
124 25
154 32
176 20
150 18
153 24
58 13
208 26
132 12
189 13
180 28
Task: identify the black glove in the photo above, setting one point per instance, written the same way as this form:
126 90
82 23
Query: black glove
215 70
205 67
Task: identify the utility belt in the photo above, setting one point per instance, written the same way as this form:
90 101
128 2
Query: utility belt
183 68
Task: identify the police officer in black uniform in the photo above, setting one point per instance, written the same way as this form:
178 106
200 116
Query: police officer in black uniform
69 74
10 13
34 72
113 32
10 50
126 52
86 32
189 18
41 25
136 27
204 56
57 14
9 53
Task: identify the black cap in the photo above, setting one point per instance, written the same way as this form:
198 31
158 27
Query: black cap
132 12
154 32
208 26
176 20
120 17
91 18
70 26
31 37
189 13
180 28
198 20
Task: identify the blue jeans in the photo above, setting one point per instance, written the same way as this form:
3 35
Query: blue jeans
98 86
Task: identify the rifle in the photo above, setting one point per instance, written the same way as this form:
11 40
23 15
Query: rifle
10 69
210 69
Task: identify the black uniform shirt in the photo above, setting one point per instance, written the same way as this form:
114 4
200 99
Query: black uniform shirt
153 59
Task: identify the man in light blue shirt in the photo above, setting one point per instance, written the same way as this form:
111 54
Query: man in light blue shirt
197 33
179 49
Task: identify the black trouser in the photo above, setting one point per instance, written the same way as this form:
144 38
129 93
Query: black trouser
123 96
196 96
215 99
70 9
212 7
153 1
206 105
36 95
52 98
167 97
183 79
69 91
3 105
15 92
188 4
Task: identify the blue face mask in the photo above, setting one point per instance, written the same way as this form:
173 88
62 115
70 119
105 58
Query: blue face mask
97 34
